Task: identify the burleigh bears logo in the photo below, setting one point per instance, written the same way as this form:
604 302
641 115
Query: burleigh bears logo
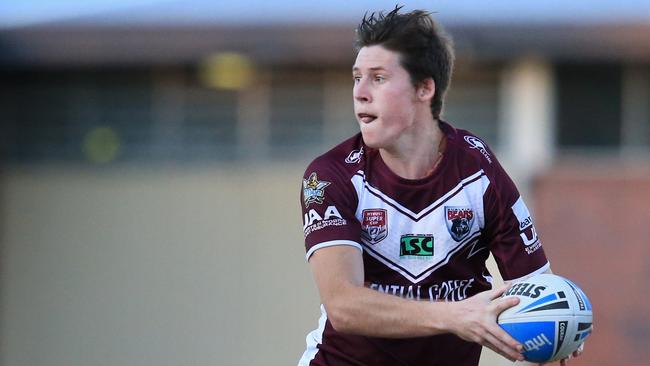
459 221
313 190
412 245
374 225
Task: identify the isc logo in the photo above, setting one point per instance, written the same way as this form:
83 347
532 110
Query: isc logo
420 245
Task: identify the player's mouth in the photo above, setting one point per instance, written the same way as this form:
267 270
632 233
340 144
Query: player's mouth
366 118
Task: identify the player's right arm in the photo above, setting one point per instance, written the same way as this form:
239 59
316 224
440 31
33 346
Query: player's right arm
352 308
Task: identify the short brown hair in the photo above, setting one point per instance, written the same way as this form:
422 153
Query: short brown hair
426 51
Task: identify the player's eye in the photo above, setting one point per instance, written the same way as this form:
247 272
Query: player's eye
356 78
380 78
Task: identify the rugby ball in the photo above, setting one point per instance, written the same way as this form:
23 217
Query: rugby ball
552 319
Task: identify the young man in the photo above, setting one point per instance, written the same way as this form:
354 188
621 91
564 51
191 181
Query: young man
399 219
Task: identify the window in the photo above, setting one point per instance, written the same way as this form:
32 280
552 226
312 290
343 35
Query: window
210 127
296 111
50 115
472 102
589 105
34 114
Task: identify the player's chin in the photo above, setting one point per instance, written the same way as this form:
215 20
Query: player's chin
371 140
371 136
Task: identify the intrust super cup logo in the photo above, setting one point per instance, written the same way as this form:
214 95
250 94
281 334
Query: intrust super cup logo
374 225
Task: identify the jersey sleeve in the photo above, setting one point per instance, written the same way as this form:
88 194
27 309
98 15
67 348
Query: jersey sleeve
329 202
510 230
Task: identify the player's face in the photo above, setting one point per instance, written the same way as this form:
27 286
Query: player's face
384 97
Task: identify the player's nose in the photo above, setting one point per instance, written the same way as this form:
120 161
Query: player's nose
360 92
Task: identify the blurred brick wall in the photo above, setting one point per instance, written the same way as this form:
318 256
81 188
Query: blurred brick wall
594 221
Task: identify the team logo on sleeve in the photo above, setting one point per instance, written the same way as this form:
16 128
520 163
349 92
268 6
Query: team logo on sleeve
476 143
459 221
374 225
313 190
354 156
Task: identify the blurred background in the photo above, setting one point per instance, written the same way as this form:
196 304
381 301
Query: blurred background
152 155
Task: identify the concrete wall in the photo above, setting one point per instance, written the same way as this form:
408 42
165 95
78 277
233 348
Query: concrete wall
169 266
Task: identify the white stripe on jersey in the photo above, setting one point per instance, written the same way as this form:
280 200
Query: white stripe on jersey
357 183
541 270
314 338
331 244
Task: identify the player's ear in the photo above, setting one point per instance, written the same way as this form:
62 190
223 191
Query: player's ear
426 89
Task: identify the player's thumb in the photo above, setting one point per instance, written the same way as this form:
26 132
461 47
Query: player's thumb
496 292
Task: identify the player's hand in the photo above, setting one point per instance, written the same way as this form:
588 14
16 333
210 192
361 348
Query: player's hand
576 353
475 320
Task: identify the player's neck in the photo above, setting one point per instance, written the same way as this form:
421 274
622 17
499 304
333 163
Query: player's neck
417 154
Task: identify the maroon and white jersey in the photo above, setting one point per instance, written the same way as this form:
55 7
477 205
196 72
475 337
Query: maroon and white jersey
424 239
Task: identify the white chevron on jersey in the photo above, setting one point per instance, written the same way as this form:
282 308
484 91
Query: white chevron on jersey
416 216
429 221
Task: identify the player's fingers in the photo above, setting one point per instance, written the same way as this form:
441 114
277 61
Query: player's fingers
499 351
578 352
496 292
499 305
505 338
489 295
502 348
565 361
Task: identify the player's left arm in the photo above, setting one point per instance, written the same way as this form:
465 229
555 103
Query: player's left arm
548 270
513 238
